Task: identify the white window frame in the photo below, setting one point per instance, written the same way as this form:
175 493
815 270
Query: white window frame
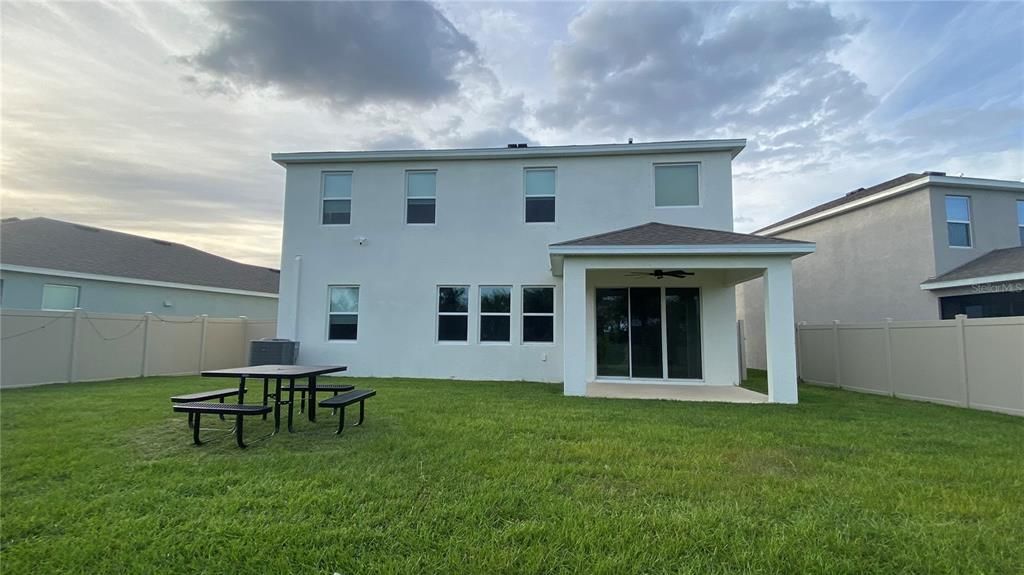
438 313
78 297
554 196
523 314
654 184
1020 222
407 198
324 198
327 334
482 313
970 226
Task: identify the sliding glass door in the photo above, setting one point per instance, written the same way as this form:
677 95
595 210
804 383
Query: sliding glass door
648 333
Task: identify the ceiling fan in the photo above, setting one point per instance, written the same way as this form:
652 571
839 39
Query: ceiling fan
660 274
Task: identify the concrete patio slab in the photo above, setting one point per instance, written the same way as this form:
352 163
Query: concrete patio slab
718 393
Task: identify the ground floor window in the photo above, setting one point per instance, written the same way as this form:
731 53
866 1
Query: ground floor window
60 297
495 313
998 304
648 332
453 313
538 314
343 313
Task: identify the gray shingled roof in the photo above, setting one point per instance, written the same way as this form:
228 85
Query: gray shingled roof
995 262
849 197
655 234
58 245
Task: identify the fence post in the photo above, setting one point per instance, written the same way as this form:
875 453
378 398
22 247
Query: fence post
244 324
888 357
961 341
202 341
742 350
799 352
148 319
75 332
835 352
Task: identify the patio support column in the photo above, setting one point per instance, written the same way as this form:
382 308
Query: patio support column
574 327
780 332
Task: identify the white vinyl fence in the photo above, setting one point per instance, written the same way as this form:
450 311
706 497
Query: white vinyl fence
976 363
53 347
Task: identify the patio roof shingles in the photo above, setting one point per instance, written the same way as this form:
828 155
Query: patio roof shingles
658 234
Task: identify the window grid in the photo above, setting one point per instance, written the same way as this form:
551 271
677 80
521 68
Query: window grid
342 315
464 313
336 208
497 314
420 206
529 314
540 199
952 221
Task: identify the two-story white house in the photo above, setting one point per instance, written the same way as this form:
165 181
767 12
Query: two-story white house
580 264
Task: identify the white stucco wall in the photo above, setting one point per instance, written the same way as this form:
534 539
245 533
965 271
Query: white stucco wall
480 238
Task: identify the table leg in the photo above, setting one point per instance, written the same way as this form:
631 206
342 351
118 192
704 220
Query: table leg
291 402
277 406
312 398
266 382
241 390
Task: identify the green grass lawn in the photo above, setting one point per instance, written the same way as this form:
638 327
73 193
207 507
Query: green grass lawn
469 477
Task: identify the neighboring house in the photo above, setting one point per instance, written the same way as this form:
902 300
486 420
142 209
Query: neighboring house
53 265
484 264
919 247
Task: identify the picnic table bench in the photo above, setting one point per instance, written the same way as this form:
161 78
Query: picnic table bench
340 402
239 410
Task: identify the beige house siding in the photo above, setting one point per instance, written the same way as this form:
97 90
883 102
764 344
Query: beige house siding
868 266
993 225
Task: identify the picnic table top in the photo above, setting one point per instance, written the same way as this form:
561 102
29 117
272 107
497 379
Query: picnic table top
282 371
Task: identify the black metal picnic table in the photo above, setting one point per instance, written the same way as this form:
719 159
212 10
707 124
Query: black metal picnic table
279 373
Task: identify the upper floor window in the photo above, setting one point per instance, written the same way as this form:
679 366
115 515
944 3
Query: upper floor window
540 194
60 297
420 197
676 185
495 313
337 198
343 315
1020 220
538 314
958 221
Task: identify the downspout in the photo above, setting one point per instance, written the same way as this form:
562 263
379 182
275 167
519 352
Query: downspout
298 297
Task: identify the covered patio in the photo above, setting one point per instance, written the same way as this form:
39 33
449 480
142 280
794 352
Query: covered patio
653 307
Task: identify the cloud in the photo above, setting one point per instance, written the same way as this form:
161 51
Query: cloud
337 53
668 69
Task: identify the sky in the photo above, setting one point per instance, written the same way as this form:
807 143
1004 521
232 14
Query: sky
159 118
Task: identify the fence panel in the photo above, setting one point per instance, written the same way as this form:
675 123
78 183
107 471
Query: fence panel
109 346
927 362
976 363
995 362
817 354
224 345
862 359
36 347
41 347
